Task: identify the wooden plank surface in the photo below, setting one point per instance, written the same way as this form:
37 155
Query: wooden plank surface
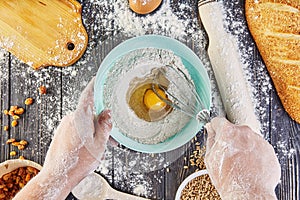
161 174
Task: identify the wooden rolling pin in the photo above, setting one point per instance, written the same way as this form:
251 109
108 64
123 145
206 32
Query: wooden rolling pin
227 67
43 32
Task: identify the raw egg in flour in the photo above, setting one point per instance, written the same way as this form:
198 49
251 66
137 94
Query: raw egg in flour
146 104
144 6
152 101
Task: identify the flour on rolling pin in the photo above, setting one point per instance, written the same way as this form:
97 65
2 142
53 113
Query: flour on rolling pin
43 32
228 68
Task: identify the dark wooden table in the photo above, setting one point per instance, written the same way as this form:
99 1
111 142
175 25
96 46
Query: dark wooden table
127 170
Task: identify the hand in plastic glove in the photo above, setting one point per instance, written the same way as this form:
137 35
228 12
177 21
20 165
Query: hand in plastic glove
75 151
240 163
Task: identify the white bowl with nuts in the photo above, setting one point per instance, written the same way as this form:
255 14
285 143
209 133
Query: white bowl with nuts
14 174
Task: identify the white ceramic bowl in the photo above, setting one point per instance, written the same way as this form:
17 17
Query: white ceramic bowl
187 180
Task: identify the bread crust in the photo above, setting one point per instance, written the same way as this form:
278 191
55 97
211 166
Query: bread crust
275 27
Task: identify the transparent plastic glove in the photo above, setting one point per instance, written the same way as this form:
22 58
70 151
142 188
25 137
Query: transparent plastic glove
77 146
241 164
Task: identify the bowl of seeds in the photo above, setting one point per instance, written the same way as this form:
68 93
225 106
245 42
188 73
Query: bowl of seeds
14 175
197 186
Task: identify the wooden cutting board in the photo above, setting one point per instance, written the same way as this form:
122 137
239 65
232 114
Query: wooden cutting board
43 32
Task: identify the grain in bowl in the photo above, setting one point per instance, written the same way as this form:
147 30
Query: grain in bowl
197 186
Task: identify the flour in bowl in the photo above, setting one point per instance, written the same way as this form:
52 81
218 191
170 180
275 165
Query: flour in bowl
139 63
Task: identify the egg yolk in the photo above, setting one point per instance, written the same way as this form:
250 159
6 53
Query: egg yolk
152 101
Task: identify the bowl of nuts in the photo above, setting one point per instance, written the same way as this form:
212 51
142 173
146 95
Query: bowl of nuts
197 186
14 174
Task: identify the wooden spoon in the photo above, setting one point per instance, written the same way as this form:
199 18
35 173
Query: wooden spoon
43 32
95 187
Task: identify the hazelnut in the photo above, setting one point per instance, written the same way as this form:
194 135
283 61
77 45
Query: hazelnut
28 101
27 177
22 158
15 143
13 108
13 153
11 113
21 147
42 89
5 128
19 111
14 123
11 140
16 117
23 142
21 185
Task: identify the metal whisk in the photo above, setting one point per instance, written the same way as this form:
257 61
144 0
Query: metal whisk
181 92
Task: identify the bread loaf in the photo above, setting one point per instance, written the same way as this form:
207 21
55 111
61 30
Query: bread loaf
275 27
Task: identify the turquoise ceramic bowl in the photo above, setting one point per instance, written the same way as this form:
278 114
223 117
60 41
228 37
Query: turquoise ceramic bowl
190 61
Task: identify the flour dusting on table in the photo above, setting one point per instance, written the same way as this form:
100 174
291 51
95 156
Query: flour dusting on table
116 16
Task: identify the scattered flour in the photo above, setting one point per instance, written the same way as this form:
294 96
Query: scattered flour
117 17
2 59
140 190
2 54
